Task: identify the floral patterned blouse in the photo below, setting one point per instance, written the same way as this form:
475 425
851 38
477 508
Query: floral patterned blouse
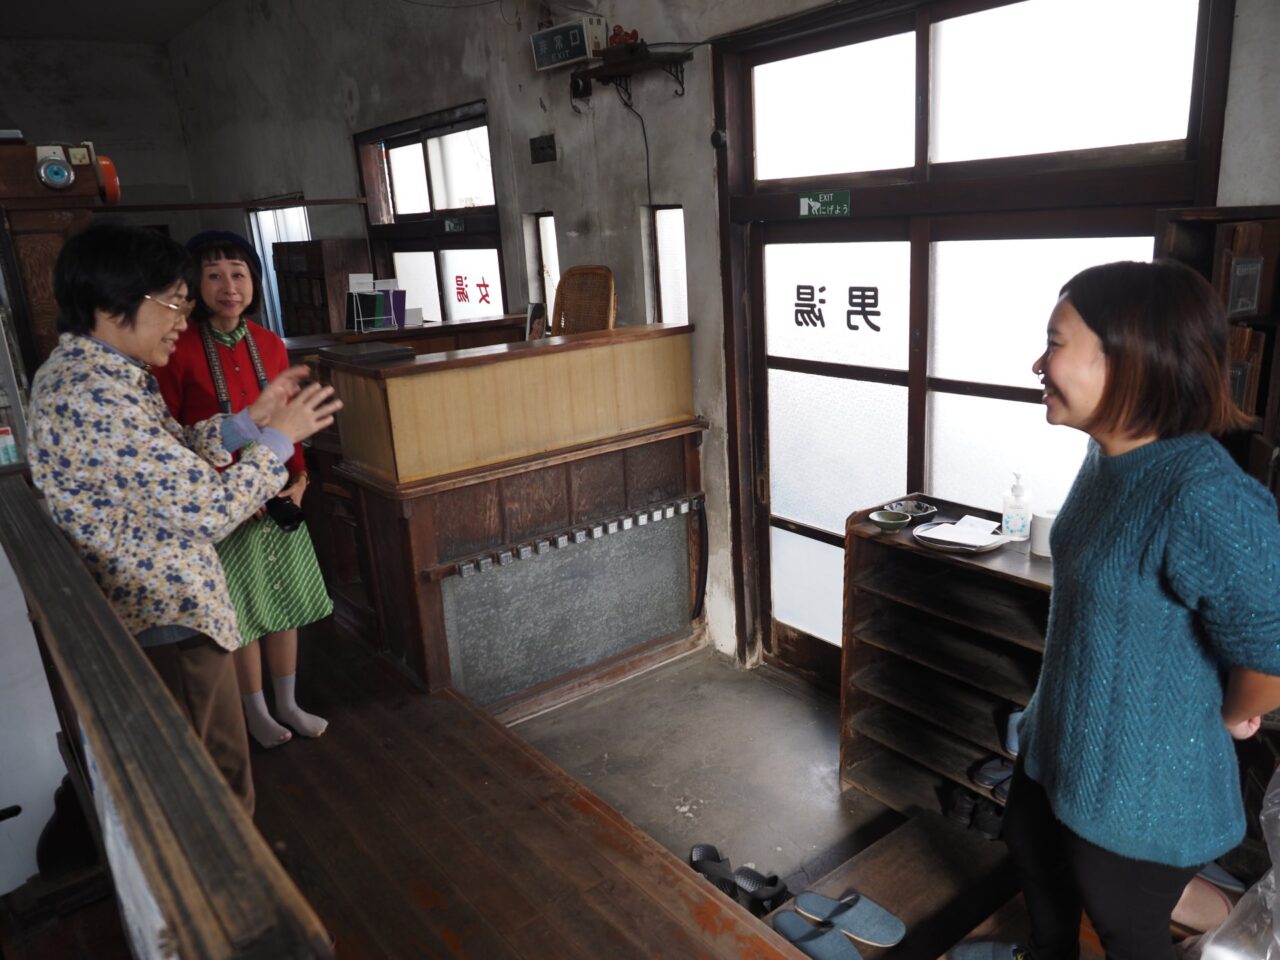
136 493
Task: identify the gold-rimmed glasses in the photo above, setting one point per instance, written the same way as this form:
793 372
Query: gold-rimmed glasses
182 309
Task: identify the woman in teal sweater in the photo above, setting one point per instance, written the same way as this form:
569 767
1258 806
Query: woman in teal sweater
1164 629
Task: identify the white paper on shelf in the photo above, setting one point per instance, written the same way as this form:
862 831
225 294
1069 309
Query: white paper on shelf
392 284
360 282
969 531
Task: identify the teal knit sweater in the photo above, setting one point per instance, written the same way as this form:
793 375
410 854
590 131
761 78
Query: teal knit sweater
1166 572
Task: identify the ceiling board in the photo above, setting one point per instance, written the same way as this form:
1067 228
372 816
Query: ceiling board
122 21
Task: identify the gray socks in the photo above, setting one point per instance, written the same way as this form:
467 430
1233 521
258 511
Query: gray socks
267 731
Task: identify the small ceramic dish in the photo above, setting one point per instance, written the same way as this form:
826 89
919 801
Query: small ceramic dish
889 519
917 510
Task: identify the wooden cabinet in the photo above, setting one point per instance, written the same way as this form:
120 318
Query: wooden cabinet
938 649
312 278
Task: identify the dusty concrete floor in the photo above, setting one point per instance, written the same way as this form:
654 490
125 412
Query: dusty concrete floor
699 751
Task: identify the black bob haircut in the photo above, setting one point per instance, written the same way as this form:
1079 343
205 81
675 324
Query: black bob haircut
111 267
220 247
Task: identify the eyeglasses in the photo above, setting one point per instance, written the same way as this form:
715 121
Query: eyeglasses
183 309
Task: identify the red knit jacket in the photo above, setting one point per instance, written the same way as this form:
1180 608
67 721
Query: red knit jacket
187 385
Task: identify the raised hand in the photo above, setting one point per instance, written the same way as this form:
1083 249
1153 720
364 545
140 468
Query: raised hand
278 393
310 411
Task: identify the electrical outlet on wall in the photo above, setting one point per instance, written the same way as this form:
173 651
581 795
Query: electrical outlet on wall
542 149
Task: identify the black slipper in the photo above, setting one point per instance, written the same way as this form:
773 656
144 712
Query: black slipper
758 893
706 859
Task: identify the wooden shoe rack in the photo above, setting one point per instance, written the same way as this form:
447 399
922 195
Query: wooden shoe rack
938 649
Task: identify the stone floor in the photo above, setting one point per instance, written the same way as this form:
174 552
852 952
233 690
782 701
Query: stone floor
700 751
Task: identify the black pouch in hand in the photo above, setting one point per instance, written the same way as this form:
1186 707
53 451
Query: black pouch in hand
287 514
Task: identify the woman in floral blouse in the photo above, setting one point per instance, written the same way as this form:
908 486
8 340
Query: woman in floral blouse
140 496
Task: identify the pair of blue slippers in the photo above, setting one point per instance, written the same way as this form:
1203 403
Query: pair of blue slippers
825 929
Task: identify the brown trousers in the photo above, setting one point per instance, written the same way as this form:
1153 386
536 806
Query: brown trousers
202 679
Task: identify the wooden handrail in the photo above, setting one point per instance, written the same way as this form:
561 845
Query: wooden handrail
193 876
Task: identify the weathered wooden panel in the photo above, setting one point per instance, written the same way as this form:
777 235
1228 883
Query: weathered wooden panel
597 486
468 519
535 502
655 472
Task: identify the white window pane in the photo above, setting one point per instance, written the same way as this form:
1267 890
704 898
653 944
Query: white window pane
550 258
976 444
808 291
669 226
472 285
269 228
461 172
1048 75
835 446
837 111
808 583
992 299
416 271
409 179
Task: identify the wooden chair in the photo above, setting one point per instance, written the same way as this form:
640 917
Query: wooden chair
585 300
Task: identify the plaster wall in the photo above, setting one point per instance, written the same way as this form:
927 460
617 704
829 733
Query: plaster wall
1251 135
120 96
275 110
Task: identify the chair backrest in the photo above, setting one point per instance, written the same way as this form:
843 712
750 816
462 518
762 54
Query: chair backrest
585 300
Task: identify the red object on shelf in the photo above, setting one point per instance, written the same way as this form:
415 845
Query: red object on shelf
109 180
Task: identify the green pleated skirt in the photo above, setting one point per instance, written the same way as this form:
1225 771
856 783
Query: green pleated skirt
273 578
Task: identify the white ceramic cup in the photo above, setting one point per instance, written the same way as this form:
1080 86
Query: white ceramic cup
1041 524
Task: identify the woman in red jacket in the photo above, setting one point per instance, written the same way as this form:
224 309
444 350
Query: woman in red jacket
221 363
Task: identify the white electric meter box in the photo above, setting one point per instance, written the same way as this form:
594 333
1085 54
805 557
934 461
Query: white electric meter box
566 43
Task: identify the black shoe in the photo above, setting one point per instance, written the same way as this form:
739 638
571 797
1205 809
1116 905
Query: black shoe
960 805
988 818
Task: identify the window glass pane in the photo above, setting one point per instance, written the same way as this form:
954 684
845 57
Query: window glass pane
269 228
409 179
992 299
1047 75
808 579
416 271
472 285
550 258
835 446
809 289
669 226
837 111
975 445
461 174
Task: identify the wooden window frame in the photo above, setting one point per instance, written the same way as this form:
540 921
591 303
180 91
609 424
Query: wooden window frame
1099 192
391 233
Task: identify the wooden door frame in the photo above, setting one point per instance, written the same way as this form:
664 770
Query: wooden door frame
1147 178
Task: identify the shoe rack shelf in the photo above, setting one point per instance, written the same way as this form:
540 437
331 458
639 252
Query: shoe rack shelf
938 649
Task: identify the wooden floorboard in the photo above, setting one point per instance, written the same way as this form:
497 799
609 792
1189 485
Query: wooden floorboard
420 827
496 810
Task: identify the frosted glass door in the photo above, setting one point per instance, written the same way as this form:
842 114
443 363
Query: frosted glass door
836 315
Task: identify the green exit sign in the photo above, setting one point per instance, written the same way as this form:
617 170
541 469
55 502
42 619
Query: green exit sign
828 203
454 225
567 43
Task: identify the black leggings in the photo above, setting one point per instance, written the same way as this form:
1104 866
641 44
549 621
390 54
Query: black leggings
1128 901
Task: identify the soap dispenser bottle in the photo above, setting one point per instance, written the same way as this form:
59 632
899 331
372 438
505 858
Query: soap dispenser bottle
1016 521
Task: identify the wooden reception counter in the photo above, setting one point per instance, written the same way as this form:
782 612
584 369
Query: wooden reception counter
427 338
530 513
